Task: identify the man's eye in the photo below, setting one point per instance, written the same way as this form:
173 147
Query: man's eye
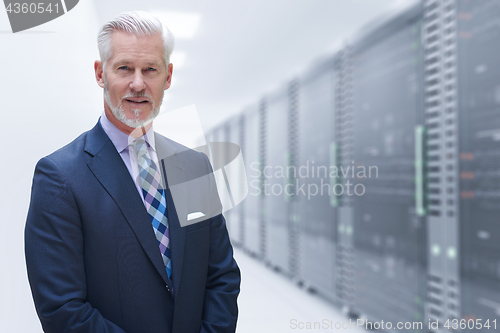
151 69
123 67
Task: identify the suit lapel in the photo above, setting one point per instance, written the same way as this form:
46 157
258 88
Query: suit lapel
109 169
171 165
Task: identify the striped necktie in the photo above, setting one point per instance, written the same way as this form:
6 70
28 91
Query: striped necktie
154 199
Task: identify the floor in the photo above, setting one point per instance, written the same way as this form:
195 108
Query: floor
270 302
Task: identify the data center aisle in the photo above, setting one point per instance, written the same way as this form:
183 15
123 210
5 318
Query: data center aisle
271 303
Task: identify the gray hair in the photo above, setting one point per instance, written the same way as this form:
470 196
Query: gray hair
138 23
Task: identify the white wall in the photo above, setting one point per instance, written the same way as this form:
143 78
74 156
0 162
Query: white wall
48 96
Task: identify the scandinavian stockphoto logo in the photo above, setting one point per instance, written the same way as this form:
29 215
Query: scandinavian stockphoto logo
28 14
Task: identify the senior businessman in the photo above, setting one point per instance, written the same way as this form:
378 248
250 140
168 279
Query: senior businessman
109 247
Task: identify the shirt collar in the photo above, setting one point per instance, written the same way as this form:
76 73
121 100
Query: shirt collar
122 140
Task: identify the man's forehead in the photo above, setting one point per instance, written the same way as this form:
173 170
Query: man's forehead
124 60
128 48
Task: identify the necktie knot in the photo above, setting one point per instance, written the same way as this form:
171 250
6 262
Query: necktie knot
140 147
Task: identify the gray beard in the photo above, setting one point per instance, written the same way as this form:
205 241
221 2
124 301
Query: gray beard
120 114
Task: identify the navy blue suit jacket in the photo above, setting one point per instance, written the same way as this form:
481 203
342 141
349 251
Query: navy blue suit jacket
93 261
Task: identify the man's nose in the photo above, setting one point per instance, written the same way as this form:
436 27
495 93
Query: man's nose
137 83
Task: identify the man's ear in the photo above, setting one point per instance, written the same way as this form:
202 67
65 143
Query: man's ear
169 76
99 73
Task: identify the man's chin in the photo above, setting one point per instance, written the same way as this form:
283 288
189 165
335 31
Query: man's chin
134 123
134 115
137 118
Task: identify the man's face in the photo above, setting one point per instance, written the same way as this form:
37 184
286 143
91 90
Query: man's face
135 78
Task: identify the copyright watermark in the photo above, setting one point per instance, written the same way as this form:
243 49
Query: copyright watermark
26 14
450 324
309 180
327 324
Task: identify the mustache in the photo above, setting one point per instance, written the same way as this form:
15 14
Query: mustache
139 94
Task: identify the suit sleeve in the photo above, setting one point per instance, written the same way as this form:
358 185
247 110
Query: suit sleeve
55 256
220 308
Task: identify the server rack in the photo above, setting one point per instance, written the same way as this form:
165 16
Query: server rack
475 32
254 157
317 208
223 134
293 155
212 135
235 216
440 54
342 155
278 159
389 232
217 155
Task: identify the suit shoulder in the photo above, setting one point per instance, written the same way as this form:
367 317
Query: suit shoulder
69 153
